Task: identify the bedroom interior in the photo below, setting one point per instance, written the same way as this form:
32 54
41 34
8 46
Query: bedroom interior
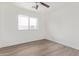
39 28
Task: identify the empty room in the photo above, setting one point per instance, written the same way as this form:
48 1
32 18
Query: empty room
39 28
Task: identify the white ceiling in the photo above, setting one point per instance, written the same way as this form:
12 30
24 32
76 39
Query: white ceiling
28 5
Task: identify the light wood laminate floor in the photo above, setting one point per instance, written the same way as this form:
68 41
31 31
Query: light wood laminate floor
39 48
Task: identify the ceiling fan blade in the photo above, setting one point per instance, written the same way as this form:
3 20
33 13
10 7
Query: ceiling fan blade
37 5
45 4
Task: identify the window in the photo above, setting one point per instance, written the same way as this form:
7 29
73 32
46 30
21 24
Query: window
33 23
26 22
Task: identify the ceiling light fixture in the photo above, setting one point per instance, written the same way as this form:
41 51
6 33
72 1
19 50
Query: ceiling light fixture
36 6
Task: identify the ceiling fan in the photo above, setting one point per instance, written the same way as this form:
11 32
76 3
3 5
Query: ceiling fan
42 3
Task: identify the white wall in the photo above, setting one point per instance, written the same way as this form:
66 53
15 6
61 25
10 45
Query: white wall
10 34
0 22
63 25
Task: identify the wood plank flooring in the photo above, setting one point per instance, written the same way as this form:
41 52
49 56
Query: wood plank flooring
39 48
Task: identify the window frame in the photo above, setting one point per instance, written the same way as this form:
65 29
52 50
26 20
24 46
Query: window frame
29 21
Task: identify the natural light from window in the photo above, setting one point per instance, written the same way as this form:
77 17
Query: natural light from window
27 23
